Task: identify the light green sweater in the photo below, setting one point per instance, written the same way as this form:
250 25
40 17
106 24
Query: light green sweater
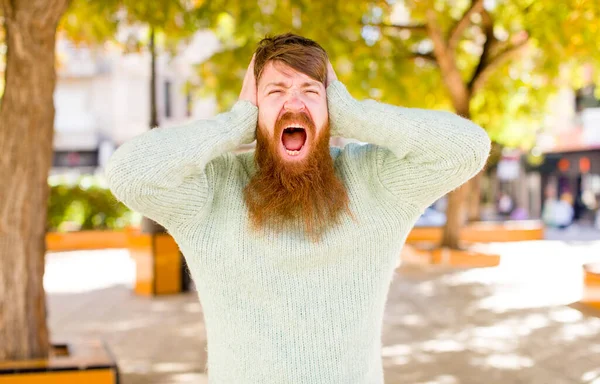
281 309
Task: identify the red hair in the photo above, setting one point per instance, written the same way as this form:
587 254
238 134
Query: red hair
302 54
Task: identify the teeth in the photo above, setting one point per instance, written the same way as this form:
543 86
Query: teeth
292 153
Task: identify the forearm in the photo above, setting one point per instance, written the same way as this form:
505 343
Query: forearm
154 164
421 154
417 134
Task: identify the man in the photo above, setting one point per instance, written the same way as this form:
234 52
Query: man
293 247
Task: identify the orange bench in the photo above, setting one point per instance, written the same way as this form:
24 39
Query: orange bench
157 258
73 363
157 263
448 257
591 285
85 240
483 232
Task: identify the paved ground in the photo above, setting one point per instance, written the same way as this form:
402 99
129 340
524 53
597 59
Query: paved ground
574 232
509 324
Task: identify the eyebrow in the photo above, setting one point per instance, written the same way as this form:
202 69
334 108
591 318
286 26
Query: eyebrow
284 85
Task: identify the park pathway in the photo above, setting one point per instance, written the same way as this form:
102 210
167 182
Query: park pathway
509 324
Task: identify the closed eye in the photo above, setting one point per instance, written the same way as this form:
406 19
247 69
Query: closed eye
274 91
313 91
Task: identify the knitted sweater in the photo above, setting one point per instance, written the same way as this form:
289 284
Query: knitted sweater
281 308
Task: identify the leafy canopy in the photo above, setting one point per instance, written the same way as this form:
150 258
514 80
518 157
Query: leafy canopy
95 22
507 54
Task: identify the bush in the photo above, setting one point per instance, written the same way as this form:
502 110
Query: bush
85 204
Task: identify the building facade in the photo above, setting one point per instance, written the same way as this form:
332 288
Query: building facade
102 98
567 164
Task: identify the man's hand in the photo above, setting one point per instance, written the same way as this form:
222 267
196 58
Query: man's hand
249 86
331 76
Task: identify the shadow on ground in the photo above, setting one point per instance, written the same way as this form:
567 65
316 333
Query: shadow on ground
153 340
509 324
488 326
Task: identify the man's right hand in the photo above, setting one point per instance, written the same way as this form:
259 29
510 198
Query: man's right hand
249 86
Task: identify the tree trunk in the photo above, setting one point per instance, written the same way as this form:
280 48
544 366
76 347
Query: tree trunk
455 217
149 226
153 110
475 198
26 132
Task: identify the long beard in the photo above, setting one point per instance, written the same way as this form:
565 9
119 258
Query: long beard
294 195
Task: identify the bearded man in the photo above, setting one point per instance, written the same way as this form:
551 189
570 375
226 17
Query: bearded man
293 247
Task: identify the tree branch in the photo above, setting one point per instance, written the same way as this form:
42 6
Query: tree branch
410 54
447 63
496 53
487 25
486 67
414 27
460 26
426 56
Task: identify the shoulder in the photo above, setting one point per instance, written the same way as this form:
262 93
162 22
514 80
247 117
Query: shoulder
229 167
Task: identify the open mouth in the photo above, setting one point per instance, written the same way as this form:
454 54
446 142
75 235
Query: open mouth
293 139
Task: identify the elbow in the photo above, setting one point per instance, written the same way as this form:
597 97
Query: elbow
112 181
477 150
117 178
483 145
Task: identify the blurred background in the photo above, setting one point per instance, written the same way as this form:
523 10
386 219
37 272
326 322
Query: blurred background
499 281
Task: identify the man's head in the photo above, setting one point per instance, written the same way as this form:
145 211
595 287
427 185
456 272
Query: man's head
291 74
296 178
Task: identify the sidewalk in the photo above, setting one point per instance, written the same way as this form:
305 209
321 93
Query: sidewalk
510 324
575 232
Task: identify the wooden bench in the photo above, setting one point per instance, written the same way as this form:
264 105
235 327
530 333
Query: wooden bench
483 232
69 363
448 257
85 240
591 285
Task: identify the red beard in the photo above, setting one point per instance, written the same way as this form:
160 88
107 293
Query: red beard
295 194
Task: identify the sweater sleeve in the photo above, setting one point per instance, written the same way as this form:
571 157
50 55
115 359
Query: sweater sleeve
419 155
163 173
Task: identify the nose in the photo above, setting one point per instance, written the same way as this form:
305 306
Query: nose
294 104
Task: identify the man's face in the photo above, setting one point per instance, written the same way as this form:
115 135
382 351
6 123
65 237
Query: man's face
296 181
292 110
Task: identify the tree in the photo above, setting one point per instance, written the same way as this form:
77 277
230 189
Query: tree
26 128
26 132
495 62
168 22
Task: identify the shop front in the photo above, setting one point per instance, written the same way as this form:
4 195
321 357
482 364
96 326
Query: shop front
573 175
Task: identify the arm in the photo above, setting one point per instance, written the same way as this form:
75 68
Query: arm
419 155
166 173
162 173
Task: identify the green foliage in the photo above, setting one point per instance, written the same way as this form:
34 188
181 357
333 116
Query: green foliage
83 205
335 24
86 206
91 21
395 65
374 59
97 21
